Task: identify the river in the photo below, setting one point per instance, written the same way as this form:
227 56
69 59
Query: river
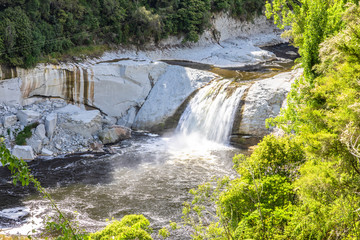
149 174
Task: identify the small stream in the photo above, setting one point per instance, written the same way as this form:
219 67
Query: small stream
148 174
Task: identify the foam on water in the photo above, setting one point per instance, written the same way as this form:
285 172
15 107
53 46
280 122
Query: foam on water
210 114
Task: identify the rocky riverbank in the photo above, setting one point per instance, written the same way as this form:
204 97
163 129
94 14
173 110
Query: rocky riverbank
57 128
135 89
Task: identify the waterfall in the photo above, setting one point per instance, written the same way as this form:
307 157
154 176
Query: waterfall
211 112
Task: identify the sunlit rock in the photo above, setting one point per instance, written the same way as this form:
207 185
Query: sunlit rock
46 152
40 131
35 143
82 122
171 90
50 124
23 152
263 100
9 121
10 91
27 116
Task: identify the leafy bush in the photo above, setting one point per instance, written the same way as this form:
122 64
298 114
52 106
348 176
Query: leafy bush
21 137
129 227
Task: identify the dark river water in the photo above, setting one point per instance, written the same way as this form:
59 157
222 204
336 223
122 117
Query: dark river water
147 175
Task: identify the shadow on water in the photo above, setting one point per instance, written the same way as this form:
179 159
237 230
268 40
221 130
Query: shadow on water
61 171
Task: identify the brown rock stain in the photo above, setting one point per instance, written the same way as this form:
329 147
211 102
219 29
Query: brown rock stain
77 85
7 72
86 86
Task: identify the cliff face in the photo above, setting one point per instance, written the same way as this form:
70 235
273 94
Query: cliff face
134 87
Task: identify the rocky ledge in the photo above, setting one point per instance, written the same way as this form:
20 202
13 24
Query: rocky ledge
56 128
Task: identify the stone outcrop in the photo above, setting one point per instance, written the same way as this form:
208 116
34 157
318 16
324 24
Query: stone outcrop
46 152
9 121
27 116
263 100
40 131
82 122
168 94
23 152
63 128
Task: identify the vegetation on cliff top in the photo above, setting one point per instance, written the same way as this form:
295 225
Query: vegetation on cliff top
30 29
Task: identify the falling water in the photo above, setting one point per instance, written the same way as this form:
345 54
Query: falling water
211 112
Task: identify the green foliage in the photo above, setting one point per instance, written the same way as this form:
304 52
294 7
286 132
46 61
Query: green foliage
323 112
33 29
21 137
164 233
311 22
129 227
257 204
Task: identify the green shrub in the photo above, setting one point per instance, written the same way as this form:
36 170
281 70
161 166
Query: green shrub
129 227
21 137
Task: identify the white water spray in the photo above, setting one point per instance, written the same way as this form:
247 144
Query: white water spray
210 114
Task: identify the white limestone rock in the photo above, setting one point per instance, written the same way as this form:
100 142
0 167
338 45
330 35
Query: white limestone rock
171 90
82 122
264 100
23 152
28 116
126 83
128 119
9 121
35 144
46 152
40 131
50 124
10 91
114 134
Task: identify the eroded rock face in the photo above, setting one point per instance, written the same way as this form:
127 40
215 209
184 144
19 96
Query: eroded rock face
263 100
168 94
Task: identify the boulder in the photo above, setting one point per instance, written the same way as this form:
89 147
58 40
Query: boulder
114 134
82 122
9 121
28 116
35 143
46 152
23 152
40 131
50 124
